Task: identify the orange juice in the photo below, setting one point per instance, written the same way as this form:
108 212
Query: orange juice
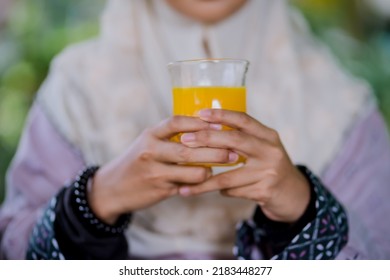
189 100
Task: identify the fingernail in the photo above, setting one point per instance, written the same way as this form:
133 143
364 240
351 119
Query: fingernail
204 113
216 126
187 137
185 191
233 157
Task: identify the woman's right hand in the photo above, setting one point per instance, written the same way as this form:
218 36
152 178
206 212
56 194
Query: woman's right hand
148 172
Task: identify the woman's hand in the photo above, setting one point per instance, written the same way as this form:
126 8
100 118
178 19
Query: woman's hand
148 173
268 177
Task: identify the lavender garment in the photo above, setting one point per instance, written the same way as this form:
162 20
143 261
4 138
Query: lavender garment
43 163
359 177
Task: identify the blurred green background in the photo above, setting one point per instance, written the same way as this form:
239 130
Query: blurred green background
32 32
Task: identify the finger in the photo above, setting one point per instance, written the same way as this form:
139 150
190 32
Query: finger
238 120
249 192
187 175
178 124
173 152
261 192
235 140
228 180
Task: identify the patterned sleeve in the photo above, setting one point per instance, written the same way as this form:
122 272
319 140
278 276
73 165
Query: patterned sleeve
42 243
68 229
321 233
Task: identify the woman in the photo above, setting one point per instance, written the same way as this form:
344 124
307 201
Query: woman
101 107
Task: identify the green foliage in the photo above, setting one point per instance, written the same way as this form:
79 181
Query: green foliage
358 38
35 31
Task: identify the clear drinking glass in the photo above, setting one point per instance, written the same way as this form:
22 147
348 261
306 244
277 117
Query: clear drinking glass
208 83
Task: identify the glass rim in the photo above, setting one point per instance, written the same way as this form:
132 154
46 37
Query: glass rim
213 60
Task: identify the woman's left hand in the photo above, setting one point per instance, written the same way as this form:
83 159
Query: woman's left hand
268 177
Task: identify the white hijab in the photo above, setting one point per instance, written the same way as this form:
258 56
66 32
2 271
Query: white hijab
101 94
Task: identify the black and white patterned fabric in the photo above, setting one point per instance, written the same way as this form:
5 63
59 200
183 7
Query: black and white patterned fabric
68 229
321 238
43 244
